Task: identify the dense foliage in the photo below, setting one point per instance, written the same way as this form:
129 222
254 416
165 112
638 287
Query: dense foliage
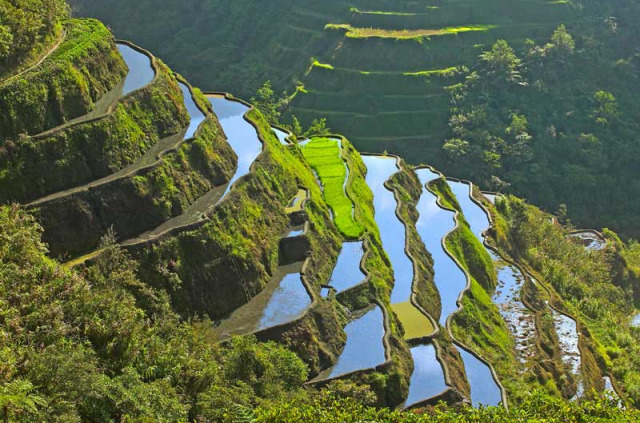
66 85
596 285
103 346
123 339
556 123
25 28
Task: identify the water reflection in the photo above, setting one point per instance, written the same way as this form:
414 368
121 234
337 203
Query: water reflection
347 272
484 389
392 230
141 71
365 347
241 135
427 379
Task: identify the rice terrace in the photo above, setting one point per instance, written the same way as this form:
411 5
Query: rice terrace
339 211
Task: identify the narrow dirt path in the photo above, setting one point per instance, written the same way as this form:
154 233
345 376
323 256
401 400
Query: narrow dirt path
45 57
152 156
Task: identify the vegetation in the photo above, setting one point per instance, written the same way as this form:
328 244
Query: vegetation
32 167
537 408
27 30
325 157
128 337
133 204
66 85
414 34
103 346
595 285
534 121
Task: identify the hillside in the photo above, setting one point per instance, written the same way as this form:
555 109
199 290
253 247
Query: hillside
168 254
389 75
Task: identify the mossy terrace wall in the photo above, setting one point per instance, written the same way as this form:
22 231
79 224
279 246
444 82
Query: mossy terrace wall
141 201
79 153
66 85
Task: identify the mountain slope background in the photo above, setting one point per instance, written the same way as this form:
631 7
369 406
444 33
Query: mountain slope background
389 74
146 232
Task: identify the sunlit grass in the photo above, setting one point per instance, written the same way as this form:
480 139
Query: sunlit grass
353 32
323 155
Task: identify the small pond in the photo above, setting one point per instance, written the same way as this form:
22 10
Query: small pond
484 389
365 345
241 135
284 299
141 71
347 272
427 379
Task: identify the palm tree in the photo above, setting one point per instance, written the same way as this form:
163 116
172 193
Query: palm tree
19 395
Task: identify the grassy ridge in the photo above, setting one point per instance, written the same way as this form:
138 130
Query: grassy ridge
34 167
324 156
405 34
86 65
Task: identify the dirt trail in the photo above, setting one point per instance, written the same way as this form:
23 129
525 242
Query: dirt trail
150 158
45 57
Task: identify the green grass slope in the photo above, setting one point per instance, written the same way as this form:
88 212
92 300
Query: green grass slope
84 66
325 157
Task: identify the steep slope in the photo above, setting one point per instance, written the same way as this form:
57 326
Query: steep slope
387 74
219 268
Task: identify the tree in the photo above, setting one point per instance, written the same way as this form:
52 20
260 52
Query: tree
606 107
501 62
520 139
455 148
18 395
6 39
562 41
265 101
318 127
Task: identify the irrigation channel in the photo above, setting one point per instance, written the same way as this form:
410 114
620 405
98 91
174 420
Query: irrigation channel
508 295
433 225
141 71
285 297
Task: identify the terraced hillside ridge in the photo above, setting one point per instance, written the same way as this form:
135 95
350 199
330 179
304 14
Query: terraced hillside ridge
143 122
422 81
377 70
219 269
167 182
67 84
